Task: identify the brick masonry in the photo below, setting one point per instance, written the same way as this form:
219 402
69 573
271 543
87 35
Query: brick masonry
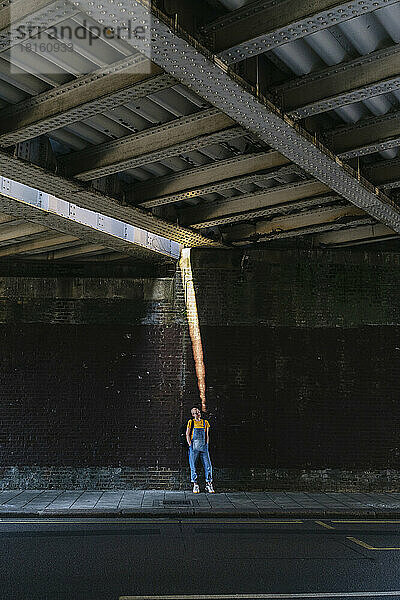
302 354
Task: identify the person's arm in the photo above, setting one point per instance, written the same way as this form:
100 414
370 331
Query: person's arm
207 433
188 431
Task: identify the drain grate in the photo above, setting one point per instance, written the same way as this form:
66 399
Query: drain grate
174 503
177 502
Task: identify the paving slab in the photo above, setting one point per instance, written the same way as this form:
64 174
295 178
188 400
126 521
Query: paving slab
177 504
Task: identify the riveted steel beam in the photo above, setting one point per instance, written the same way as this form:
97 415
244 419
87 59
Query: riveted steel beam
171 139
385 173
370 75
183 57
321 219
355 236
249 202
86 249
280 209
42 245
207 175
6 218
10 231
38 14
258 178
263 25
82 98
83 232
370 135
67 189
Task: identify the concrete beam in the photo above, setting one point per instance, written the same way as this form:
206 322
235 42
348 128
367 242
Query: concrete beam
368 136
356 235
181 135
370 75
67 189
261 26
82 98
298 224
204 214
173 50
207 175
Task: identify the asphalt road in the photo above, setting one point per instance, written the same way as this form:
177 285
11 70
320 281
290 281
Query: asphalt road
109 559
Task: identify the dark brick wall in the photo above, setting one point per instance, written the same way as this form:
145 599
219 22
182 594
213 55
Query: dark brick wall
302 353
91 372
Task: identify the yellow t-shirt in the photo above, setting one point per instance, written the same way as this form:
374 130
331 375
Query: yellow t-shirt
197 425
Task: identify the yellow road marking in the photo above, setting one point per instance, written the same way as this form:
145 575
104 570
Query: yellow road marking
45 521
133 521
367 546
318 595
359 521
207 521
324 525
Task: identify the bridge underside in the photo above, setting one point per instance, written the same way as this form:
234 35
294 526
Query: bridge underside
213 124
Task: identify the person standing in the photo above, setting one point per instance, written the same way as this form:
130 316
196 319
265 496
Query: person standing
197 436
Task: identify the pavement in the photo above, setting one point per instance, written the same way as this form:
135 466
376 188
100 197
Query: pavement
160 503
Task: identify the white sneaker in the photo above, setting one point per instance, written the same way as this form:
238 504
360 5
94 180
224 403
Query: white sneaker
209 488
196 489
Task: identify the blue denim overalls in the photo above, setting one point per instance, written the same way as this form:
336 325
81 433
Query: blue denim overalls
199 447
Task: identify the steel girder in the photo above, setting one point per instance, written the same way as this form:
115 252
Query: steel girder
312 221
184 134
67 189
220 187
370 75
354 236
82 98
261 26
40 14
385 173
42 245
12 231
209 212
207 175
265 213
185 59
84 250
368 136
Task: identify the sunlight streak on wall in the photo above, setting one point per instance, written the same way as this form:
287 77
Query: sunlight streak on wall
193 322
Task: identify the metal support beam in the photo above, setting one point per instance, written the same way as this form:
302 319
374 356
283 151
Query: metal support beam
34 245
258 178
82 98
207 175
321 219
280 209
13 232
359 79
40 14
176 52
370 135
385 173
202 215
67 189
181 135
86 249
263 25
356 235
